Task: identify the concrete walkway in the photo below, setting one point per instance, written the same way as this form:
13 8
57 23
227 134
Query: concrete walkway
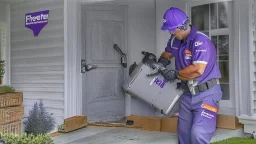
120 135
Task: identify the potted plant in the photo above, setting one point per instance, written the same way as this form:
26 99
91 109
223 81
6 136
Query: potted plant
2 70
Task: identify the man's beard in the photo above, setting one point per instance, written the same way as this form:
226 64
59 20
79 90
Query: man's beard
179 38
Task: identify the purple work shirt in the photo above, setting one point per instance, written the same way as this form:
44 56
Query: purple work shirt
197 48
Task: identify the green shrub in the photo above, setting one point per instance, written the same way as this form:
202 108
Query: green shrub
39 121
26 139
6 89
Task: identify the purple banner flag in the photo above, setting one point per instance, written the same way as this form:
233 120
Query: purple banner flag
36 21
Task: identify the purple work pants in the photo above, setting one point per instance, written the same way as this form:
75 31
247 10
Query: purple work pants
197 116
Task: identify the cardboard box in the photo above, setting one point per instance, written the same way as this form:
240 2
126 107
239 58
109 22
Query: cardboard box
106 124
144 122
73 123
228 122
169 124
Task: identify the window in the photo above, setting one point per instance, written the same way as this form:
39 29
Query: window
2 40
214 19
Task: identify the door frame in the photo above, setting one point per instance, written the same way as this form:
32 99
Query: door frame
5 45
226 106
73 91
83 45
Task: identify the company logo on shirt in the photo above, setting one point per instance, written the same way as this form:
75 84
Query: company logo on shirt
207 115
198 43
203 50
188 54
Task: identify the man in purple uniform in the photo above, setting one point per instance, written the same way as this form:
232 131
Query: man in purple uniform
195 59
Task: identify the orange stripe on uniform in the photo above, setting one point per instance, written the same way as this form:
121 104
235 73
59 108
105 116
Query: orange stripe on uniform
208 107
188 52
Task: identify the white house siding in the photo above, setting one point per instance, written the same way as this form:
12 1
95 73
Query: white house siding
37 63
253 22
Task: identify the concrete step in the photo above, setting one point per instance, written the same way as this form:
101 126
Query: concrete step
117 135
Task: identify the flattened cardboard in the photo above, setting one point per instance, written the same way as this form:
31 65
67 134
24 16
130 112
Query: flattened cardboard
74 123
228 122
106 124
169 124
145 122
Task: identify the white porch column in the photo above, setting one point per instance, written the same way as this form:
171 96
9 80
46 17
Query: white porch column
73 81
245 64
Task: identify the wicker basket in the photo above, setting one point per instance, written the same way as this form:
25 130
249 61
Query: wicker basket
10 114
14 128
11 99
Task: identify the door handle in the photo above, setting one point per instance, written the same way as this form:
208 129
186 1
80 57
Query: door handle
90 67
87 67
123 55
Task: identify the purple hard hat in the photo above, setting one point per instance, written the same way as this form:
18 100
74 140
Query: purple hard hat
174 18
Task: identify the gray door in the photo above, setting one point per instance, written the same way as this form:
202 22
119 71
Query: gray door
103 97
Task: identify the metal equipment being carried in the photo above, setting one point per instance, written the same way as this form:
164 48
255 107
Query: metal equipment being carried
146 83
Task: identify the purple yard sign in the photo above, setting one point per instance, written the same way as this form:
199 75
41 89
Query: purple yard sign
36 21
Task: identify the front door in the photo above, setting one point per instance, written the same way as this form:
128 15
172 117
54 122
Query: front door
103 97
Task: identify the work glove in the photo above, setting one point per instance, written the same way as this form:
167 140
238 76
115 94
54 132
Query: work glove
149 58
169 75
164 61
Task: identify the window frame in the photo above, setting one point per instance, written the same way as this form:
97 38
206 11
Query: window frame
4 48
229 104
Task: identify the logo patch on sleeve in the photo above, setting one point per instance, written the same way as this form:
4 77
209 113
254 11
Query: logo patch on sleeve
209 107
198 43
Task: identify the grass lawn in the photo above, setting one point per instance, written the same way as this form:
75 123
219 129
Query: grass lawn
237 141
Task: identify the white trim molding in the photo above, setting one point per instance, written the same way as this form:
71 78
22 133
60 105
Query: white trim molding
5 46
73 82
244 65
247 116
8 45
249 123
226 106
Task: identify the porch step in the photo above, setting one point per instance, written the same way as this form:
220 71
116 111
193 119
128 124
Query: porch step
117 135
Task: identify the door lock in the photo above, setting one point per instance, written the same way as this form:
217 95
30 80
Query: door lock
87 67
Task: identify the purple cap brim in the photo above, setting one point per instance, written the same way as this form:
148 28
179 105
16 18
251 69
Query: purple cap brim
164 27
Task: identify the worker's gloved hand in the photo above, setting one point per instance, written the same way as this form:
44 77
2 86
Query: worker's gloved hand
164 61
169 75
149 58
